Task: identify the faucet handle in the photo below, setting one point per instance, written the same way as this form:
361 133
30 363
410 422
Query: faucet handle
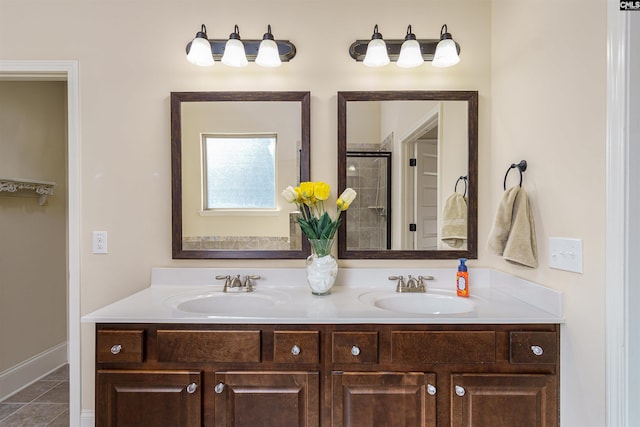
400 283
227 281
247 281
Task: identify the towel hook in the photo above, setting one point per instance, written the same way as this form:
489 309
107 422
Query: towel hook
522 166
463 178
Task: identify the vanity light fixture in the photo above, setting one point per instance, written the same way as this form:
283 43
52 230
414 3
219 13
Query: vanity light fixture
235 52
376 55
446 53
408 51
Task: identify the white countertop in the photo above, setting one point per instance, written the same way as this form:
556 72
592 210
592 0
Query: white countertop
496 297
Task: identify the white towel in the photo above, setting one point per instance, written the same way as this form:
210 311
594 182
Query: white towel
454 221
513 234
502 223
522 247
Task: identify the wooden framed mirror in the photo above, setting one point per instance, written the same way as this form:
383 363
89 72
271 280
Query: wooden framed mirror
432 138
232 153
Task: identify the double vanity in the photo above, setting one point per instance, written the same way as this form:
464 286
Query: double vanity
184 353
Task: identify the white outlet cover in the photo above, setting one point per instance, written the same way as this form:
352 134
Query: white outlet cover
565 254
100 242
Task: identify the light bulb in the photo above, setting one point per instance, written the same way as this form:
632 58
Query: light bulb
200 50
234 54
410 52
376 55
268 54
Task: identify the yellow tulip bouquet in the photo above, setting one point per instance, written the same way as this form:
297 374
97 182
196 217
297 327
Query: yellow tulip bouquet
315 222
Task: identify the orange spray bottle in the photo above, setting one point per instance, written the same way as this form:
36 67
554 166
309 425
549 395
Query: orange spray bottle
462 279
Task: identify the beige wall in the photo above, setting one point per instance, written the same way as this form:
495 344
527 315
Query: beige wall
537 101
33 288
548 96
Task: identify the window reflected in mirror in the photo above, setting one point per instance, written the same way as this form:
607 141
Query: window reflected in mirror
239 172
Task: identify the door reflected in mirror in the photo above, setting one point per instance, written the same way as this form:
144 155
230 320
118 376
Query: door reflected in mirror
232 153
404 153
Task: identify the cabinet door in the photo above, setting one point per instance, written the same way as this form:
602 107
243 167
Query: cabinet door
383 399
148 398
504 400
266 399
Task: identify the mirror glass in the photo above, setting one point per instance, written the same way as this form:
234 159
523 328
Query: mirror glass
232 153
412 158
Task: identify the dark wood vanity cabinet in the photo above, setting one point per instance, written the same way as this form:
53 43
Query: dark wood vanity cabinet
347 375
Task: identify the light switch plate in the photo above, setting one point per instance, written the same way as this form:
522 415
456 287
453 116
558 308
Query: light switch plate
565 254
100 242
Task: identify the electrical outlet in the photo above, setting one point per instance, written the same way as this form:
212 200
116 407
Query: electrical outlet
100 242
565 254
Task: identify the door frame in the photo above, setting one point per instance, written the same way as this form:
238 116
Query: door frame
68 70
622 207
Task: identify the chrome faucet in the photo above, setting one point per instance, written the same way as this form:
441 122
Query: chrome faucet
234 284
413 284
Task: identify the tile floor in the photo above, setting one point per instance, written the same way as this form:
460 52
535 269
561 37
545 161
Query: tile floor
43 403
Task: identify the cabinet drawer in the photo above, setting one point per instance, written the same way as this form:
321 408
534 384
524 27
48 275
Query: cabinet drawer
295 346
354 347
533 347
443 347
119 346
208 346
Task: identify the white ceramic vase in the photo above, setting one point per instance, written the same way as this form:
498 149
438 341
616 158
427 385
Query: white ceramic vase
322 267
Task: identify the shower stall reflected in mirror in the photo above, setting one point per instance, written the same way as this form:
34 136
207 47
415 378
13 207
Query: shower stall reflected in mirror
369 174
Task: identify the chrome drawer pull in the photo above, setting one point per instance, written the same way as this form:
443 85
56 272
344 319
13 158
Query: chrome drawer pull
355 350
191 388
460 391
431 389
295 350
537 350
219 388
115 349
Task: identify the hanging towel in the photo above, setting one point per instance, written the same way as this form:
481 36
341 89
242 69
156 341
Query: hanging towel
502 223
454 221
521 247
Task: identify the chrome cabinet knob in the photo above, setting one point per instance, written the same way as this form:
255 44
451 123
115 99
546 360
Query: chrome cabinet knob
115 349
191 388
295 350
219 388
355 350
537 350
460 391
431 389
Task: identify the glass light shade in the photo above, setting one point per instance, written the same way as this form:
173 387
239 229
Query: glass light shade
376 54
410 54
234 54
200 52
268 54
446 54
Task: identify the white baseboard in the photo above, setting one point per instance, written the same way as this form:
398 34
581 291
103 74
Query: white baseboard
16 378
88 418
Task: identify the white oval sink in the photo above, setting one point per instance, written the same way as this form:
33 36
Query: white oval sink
418 303
226 303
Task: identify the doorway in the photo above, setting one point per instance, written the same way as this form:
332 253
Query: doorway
420 163
65 70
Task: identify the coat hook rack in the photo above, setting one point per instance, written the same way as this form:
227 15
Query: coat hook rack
522 166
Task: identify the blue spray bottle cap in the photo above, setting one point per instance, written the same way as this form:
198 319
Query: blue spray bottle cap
462 266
